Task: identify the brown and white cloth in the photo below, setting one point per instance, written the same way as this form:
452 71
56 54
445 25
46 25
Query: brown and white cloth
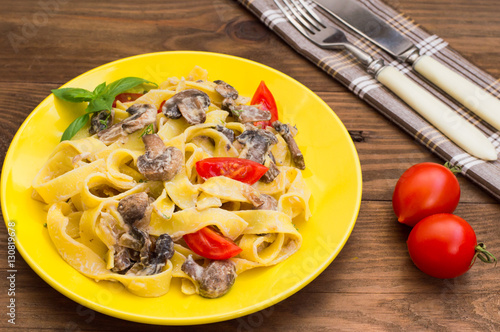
347 70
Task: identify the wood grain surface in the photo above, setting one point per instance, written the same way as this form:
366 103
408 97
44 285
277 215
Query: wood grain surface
372 285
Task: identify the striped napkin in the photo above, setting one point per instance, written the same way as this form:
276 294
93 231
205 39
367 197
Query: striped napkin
343 67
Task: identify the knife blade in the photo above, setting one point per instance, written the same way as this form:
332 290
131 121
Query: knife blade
358 18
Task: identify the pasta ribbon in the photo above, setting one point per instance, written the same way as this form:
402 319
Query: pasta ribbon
90 264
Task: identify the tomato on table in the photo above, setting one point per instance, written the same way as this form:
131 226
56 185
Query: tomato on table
265 99
445 246
423 190
243 170
209 243
126 97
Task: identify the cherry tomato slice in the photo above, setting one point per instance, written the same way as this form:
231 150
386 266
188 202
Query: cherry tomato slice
265 99
243 170
161 106
207 242
126 97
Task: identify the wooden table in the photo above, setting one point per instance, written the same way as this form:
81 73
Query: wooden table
372 284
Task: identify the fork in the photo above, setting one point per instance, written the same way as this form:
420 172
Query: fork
303 17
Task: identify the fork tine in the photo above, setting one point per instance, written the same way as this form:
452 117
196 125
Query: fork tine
308 15
293 8
311 12
305 30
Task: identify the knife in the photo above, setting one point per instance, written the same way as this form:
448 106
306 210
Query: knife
364 22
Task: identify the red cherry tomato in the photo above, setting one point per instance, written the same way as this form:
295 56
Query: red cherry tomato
444 246
265 99
126 97
239 169
208 243
423 190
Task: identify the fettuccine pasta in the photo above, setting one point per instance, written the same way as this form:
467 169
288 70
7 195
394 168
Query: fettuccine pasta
121 201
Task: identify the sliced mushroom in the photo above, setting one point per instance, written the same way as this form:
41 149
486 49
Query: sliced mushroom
159 163
229 93
214 280
257 144
100 121
143 115
137 240
171 111
270 203
273 171
164 250
249 113
137 108
284 131
122 259
226 90
133 254
164 247
133 207
192 104
226 131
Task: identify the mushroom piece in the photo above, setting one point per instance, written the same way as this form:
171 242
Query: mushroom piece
271 174
229 93
214 280
164 250
284 131
257 144
100 121
159 163
133 207
133 255
250 113
270 203
226 90
191 104
121 259
226 131
141 116
138 240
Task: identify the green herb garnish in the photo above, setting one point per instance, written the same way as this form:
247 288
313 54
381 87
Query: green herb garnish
104 121
149 130
100 99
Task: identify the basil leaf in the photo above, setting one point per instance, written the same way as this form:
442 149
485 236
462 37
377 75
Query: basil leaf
74 95
101 103
124 84
74 127
99 89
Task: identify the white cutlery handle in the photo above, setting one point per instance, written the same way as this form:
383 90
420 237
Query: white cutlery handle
467 93
438 114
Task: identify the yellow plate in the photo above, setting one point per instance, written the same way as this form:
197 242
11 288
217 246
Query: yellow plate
333 174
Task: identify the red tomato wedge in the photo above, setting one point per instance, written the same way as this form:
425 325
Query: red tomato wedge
161 106
126 97
265 99
243 170
207 242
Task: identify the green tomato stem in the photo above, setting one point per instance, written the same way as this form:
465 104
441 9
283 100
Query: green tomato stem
483 254
454 169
